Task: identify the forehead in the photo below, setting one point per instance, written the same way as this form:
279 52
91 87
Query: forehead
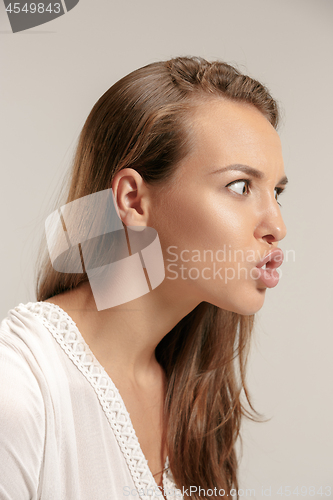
225 132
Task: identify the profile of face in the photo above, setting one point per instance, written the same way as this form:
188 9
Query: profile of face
218 216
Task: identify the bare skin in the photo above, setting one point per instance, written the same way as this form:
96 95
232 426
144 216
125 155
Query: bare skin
197 209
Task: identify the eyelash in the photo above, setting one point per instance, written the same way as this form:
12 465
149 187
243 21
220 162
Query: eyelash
278 190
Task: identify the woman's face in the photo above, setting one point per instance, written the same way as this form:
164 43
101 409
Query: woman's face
219 216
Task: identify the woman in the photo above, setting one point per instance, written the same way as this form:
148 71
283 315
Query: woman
190 150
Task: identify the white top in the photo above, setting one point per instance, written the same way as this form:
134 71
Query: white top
65 433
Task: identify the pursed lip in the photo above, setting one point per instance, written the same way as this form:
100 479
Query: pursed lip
272 260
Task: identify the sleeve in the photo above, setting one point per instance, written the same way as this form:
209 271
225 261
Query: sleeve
22 426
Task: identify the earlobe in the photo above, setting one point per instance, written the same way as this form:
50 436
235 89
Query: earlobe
130 197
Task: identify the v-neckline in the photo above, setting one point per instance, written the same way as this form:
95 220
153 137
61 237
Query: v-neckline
65 331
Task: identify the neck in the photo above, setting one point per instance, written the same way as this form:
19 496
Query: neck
124 338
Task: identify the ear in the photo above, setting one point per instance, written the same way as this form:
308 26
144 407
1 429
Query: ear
131 195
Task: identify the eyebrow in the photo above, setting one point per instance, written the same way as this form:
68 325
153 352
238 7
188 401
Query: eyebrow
248 170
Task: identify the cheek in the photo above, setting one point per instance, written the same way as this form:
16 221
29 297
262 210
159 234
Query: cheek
181 217
216 222
231 224
193 219
195 225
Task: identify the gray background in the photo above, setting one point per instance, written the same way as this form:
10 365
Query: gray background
50 78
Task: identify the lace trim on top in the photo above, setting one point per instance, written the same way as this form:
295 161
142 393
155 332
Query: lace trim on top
68 336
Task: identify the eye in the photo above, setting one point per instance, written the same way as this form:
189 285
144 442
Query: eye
277 192
241 186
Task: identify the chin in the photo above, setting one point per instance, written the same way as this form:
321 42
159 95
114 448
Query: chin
244 307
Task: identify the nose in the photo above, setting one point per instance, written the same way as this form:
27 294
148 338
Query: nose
271 227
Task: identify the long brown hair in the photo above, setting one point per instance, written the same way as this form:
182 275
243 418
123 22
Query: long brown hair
141 122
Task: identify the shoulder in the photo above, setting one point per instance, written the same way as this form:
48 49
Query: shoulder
20 326
22 415
29 338
28 361
19 388
26 330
